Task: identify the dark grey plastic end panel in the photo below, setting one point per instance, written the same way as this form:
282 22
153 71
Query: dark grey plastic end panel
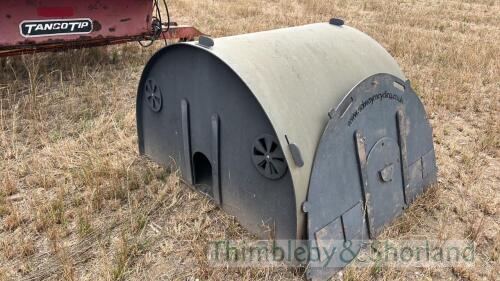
194 113
375 156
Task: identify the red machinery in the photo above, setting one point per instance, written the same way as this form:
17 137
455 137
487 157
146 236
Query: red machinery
51 25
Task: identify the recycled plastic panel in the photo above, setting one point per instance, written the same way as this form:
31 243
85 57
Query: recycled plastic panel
376 153
196 115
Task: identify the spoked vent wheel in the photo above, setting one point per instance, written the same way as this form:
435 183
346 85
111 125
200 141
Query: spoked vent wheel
268 157
153 95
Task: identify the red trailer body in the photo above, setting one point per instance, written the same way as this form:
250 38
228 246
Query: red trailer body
38 25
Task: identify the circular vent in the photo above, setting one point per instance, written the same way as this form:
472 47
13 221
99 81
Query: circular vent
268 157
153 95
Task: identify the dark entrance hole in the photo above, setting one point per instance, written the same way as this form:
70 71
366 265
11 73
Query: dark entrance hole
202 173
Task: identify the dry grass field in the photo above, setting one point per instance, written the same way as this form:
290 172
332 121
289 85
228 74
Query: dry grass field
78 203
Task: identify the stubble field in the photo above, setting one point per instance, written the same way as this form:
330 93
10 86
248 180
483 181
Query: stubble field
77 202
